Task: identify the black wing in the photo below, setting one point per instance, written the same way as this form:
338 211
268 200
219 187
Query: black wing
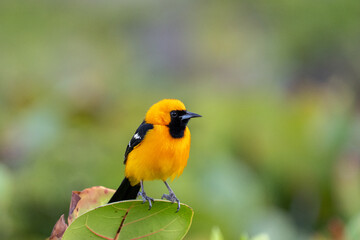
137 138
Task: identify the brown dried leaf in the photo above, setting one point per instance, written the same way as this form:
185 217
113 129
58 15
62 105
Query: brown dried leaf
58 229
88 199
81 202
75 198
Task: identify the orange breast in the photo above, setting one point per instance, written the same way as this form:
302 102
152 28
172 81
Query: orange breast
158 156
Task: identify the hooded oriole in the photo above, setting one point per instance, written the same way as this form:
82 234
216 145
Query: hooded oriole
159 149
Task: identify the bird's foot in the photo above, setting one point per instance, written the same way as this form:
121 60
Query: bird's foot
172 198
146 198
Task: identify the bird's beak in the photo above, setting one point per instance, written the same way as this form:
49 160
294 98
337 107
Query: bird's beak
189 115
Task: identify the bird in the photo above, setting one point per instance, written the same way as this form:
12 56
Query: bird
158 150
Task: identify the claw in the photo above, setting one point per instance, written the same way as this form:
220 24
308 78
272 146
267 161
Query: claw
171 196
144 196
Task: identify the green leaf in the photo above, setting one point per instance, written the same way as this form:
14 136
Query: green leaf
132 220
261 237
244 237
216 234
353 229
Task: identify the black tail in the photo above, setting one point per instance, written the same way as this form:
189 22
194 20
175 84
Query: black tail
125 191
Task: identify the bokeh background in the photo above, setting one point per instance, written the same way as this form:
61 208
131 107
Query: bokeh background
278 82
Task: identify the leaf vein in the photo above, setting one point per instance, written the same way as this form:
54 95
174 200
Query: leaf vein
122 223
143 218
97 234
160 230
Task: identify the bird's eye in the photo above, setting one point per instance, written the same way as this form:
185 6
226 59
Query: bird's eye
173 114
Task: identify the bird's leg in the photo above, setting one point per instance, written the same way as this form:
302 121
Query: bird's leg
171 197
144 196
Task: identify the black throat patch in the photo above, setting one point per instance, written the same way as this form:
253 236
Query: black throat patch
177 125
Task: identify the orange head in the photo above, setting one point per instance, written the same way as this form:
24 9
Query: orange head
169 112
159 113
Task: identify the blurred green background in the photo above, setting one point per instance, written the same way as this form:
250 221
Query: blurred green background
277 151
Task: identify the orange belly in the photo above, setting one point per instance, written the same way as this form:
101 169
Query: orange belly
158 156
